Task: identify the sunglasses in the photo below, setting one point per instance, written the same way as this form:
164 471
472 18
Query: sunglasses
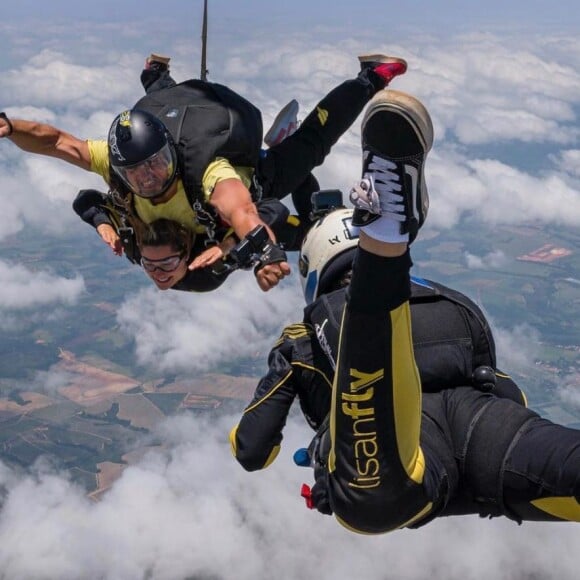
168 264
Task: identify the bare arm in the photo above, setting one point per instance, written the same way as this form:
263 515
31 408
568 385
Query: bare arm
233 202
45 139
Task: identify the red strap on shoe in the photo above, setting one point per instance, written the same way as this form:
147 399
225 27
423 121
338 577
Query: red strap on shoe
306 493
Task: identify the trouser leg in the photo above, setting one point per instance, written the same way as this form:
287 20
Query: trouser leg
302 197
155 80
375 459
541 477
513 462
287 165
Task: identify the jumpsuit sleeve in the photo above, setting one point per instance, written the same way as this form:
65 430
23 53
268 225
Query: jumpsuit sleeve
256 440
201 280
91 206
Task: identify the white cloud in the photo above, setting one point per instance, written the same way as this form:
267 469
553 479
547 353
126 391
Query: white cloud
568 161
517 348
180 331
193 512
487 88
52 79
52 380
22 288
497 193
480 88
569 391
496 259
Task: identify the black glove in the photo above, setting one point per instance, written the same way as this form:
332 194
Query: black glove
272 254
319 495
319 449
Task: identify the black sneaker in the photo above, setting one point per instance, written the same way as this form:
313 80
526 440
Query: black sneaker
378 70
397 134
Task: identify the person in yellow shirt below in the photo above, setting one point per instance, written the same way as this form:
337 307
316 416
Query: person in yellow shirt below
191 152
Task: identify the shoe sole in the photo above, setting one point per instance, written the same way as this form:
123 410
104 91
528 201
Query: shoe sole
153 57
381 58
407 107
283 119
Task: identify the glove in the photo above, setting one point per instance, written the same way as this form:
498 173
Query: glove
272 254
319 450
320 500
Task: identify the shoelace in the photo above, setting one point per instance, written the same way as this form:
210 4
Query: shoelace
377 191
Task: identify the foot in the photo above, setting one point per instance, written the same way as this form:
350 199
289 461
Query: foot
381 69
397 134
157 62
285 123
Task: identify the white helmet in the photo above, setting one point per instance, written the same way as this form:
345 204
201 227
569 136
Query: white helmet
327 252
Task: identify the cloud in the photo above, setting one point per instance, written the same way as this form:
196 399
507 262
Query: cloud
22 288
492 260
486 88
191 511
569 390
52 380
517 348
482 90
497 193
52 79
568 161
180 331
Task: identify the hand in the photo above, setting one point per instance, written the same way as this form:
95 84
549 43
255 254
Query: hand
270 275
207 258
111 238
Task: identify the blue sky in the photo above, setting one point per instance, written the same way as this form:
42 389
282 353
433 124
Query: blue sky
412 13
502 83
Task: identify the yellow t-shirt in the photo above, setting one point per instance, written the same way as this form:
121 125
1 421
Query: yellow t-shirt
178 207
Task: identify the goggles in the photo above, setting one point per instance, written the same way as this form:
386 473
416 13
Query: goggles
152 177
169 264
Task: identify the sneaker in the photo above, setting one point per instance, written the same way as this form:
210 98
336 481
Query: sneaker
397 134
381 69
285 123
157 62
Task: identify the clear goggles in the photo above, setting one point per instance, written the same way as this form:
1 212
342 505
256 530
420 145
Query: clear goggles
152 177
169 264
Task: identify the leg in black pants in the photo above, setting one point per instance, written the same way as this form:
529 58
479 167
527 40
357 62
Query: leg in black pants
156 80
286 167
541 475
375 462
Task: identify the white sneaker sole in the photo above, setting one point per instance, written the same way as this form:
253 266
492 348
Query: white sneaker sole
408 107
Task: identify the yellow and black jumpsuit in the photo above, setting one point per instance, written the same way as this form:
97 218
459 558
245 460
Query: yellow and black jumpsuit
394 456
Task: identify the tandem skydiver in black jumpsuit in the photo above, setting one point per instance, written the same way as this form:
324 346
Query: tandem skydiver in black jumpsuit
403 443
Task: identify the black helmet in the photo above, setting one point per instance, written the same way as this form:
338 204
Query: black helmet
142 153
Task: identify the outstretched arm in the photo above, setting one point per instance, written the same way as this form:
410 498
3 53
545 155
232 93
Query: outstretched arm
45 139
